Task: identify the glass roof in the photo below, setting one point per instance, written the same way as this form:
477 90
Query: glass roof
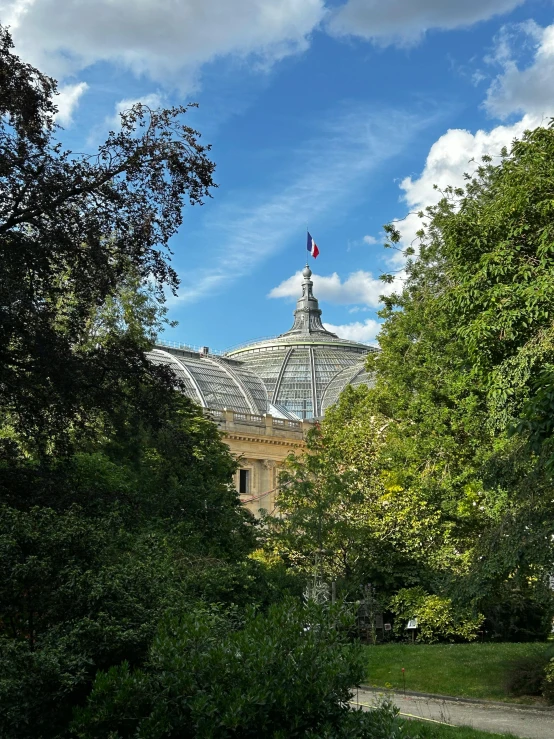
354 375
215 383
301 371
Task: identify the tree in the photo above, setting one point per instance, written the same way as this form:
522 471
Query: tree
72 227
116 495
338 516
461 375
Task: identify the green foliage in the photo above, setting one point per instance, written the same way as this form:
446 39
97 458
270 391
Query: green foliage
526 675
116 497
437 618
338 516
548 682
85 580
78 235
202 678
39 688
463 381
519 609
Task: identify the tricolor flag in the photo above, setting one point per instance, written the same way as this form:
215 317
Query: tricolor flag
312 246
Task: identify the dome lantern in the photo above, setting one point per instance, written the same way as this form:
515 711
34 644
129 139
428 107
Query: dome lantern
307 316
297 366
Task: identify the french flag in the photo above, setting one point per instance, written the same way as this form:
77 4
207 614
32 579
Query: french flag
312 246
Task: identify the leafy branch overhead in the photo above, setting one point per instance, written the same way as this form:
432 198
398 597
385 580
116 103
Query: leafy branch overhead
73 229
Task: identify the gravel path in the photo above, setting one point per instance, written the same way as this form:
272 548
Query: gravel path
531 723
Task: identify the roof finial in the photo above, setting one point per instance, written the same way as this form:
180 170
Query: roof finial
307 316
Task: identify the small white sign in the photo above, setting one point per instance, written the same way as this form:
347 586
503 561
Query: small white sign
412 623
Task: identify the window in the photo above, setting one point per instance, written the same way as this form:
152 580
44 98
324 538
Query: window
244 481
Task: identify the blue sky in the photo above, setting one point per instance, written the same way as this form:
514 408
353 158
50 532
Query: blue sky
337 114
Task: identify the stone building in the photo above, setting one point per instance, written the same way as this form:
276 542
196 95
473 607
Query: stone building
265 395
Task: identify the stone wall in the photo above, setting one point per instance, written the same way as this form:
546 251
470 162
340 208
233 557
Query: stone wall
261 443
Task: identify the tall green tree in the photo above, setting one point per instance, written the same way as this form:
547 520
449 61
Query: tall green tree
338 517
72 227
462 374
116 498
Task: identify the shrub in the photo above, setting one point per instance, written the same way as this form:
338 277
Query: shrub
548 682
526 675
521 612
381 723
285 674
435 615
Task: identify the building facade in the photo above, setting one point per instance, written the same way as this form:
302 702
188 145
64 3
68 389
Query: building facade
265 395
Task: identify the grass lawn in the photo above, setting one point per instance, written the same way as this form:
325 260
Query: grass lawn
462 670
434 731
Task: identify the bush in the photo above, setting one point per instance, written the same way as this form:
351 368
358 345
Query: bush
548 682
38 689
521 612
381 723
285 674
526 675
435 615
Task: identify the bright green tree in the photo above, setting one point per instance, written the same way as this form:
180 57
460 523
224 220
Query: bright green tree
463 374
339 517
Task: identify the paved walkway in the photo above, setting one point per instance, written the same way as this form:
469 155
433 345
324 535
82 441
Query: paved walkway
531 723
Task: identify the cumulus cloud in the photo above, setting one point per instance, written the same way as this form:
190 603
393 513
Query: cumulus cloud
370 240
364 332
523 89
455 152
163 39
67 102
406 21
529 90
358 288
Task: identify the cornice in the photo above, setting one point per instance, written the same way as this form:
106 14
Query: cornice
273 440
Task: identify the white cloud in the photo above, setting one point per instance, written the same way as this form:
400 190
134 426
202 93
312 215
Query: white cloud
328 172
153 100
528 89
67 102
358 288
167 40
370 240
459 151
364 332
406 21
455 152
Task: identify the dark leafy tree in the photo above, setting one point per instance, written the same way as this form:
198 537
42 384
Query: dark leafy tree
115 490
71 228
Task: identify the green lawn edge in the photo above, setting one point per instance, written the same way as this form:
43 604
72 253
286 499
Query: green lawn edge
479 670
441 731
